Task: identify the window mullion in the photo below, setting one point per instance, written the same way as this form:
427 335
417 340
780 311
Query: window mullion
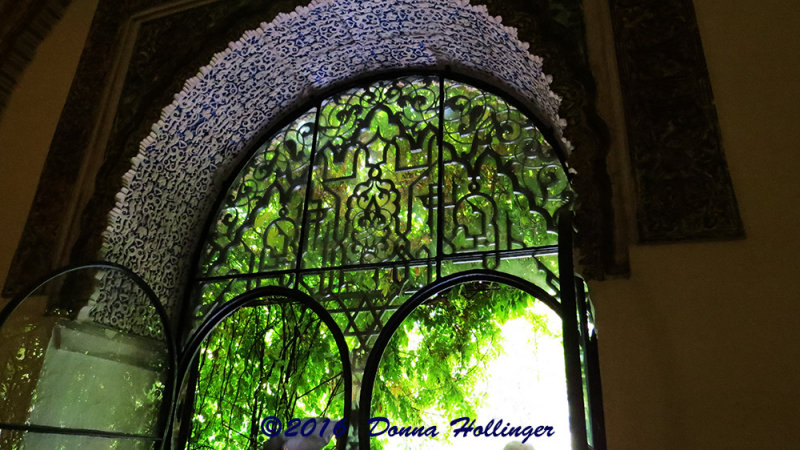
301 247
440 185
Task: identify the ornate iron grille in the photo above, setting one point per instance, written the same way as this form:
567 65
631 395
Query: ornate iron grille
381 189
376 193
376 202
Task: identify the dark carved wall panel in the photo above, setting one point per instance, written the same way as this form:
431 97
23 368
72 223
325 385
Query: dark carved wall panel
683 186
23 25
168 50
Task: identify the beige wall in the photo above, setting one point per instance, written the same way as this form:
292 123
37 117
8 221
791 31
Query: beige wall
29 121
696 347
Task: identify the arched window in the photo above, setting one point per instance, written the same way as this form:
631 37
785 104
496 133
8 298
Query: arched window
375 244
370 257
418 209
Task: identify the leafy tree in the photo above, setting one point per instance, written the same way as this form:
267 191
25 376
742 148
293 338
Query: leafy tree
374 195
272 360
455 336
279 360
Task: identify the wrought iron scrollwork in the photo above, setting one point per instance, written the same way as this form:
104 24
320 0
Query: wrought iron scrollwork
374 175
382 190
504 182
407 171
258 226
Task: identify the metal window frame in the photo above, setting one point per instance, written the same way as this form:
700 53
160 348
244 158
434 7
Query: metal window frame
168 401
572 306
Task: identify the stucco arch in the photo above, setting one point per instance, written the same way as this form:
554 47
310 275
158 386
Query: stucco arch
200 137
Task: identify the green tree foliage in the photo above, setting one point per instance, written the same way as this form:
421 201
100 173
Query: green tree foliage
373 199
280 360
442 351
272 360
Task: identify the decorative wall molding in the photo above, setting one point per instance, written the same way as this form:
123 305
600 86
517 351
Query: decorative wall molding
138 54
167 49
683 185
200 137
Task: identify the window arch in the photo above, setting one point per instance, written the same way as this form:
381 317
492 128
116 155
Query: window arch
202 133
478 312
376 158
255 337
384 188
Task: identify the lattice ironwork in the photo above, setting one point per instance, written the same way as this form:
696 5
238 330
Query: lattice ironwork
384 188
374 175
380 190
258 227
362 301
503 181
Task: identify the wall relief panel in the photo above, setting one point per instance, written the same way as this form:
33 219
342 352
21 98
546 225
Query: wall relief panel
683 186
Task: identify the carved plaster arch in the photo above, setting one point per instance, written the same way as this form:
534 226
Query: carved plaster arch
200 137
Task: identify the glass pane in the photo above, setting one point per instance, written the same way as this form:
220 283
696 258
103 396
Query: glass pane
503 181
375 172
483 351
276 360
25 440
258 227
64 365
541 270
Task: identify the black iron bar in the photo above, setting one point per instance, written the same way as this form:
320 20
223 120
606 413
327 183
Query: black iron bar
572 360
421 262
45 429
301 247
440 184
595 384
584 340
